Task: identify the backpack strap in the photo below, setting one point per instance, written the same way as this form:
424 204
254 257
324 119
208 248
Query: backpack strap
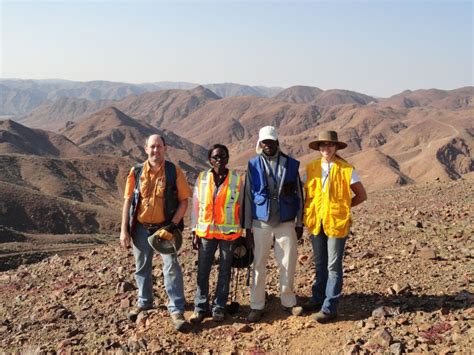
171 193
137 171
132 214
171 175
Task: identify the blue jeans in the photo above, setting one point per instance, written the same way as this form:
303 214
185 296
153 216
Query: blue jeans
206 253
328 255
173 276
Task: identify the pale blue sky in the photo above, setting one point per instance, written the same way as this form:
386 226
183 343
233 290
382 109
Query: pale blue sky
375 47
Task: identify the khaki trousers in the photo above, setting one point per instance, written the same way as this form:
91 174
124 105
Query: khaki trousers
284 236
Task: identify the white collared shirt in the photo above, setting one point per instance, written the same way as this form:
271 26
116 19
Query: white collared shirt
326 168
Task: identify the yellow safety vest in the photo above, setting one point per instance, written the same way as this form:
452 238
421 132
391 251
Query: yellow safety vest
330 208
218 211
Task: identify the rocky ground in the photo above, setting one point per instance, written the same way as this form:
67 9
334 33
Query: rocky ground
18 248
408 288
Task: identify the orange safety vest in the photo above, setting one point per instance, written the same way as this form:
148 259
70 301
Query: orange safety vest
330 208
218 211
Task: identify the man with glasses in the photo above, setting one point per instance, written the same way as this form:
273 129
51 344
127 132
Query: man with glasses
272 214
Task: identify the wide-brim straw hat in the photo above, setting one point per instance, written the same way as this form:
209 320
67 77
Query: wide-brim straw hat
327 136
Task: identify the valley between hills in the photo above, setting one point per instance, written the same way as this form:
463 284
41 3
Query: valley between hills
64 159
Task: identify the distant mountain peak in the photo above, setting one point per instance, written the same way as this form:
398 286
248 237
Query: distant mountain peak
111 116
203 91
6 124
299 94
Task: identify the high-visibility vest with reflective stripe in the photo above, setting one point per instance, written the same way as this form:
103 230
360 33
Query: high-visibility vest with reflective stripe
218 211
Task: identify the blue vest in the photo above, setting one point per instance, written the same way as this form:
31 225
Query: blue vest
288 200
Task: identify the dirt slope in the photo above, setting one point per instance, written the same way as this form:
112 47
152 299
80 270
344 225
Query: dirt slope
410 251
19 139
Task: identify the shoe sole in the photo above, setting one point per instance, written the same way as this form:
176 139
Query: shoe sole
196 321
324 320
180 326
132 317
255 320
199 320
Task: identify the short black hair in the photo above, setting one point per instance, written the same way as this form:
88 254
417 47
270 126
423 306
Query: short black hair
216 146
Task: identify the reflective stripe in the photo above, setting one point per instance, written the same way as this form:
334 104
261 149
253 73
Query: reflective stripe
230 207
218 214
202 188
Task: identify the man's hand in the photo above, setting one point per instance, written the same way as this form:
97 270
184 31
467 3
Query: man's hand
299 232
125 239
171 227
196 240
249 242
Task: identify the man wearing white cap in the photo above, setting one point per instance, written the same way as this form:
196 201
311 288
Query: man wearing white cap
272 213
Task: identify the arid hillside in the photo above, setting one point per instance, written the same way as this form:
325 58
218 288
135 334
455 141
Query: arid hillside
52 184
408 288
419 144
50 195
19 97
390 145
402 133
408 285
112 132
160 108
447 99
166 108
53 115
18 139
299 94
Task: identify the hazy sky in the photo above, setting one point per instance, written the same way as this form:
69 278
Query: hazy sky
375 47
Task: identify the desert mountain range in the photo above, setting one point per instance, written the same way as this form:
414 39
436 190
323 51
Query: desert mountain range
19 97
73 153
74 182
67 148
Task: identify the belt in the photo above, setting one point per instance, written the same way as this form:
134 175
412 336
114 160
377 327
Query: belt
153 225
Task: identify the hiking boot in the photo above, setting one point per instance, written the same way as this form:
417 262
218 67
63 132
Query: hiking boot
295 310
255 315
312 306
197 317
133 313
218 315
179 322
322 317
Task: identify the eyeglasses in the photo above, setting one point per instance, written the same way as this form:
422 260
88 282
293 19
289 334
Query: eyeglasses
219 157
327 144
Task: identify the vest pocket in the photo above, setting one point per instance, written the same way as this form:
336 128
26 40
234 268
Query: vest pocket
259 199
311 188
309 216
339 215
